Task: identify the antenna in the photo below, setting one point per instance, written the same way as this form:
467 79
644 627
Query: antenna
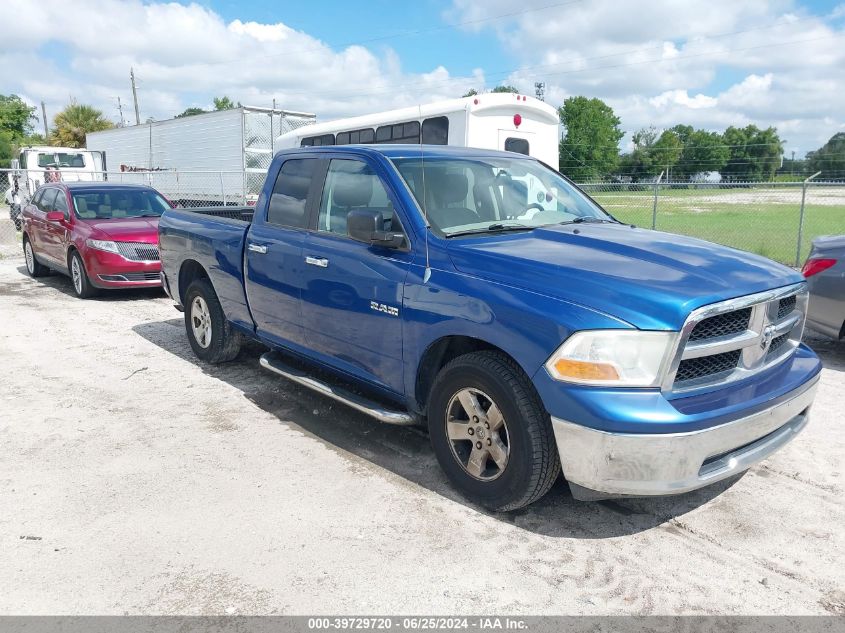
427 273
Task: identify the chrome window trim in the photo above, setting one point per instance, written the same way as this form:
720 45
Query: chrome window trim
762 328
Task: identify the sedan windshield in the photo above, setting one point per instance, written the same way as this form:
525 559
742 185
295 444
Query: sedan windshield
118 203
461 196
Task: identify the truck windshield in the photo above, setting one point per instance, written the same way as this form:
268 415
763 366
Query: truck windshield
61 159
477 195
118 203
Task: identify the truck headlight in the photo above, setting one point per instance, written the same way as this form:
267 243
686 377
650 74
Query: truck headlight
102 245
629 358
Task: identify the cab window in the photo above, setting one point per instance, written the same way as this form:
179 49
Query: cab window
290 192
352 185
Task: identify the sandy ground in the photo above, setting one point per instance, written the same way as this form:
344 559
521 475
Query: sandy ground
134 479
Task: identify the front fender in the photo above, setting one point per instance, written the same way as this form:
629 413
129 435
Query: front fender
525 325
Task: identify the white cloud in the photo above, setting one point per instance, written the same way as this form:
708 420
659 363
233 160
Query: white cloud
183 55
661 62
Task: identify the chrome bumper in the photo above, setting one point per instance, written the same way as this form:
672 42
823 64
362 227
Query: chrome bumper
617 464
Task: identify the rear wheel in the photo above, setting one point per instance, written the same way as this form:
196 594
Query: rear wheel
81 284
211 336
490 432
32 266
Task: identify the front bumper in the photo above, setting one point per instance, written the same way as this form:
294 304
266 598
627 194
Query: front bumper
109 270
601 464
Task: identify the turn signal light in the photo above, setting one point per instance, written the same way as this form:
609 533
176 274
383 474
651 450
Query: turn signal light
581 370
815 266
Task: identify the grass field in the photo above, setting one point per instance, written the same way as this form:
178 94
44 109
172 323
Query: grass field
760 220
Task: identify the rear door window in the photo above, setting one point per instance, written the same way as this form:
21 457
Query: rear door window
290 193
518 145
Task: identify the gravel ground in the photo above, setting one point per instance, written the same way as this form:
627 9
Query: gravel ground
136 480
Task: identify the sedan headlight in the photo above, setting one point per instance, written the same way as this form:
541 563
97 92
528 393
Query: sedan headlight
103 245
629 358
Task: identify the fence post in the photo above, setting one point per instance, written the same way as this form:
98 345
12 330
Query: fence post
654 208
222 189
801 219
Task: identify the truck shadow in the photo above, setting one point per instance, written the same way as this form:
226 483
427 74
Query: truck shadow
406 451
63 284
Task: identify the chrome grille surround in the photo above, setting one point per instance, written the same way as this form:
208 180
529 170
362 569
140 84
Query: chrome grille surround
768 324
138 251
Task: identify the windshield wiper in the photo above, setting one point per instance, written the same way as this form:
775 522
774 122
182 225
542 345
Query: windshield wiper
591 220
494 228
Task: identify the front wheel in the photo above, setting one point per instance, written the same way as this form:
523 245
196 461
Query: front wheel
490 432
211 336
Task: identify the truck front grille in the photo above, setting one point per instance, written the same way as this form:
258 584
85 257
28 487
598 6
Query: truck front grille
734 339
138 251
722 325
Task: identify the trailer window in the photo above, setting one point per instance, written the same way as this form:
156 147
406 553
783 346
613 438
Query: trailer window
408 132
318 141
435 131
518 145
355 137
287 202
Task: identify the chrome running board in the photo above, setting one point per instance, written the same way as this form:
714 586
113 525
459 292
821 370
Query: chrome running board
275 364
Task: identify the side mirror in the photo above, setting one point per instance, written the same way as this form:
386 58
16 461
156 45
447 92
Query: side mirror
367 225
55 216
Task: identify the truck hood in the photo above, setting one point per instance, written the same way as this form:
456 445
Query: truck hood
127 229
650 279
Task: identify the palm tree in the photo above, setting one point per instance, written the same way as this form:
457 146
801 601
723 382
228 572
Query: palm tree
74 122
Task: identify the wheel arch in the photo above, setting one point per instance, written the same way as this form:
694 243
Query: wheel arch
190 271
442 351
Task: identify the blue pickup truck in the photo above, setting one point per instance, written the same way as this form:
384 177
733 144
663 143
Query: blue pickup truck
484 295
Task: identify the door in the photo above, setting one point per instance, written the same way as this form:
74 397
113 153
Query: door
52 232
352 294
274 264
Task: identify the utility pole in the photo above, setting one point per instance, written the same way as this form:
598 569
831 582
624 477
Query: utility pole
135 96
540 89
44 118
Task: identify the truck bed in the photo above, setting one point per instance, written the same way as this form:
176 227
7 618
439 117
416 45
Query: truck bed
214 238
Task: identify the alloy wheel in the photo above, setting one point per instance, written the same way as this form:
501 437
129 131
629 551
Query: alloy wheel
201 322
478 434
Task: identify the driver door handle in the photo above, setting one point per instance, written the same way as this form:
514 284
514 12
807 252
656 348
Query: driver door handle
257 248
322 262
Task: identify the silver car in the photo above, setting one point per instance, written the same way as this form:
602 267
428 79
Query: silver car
825 273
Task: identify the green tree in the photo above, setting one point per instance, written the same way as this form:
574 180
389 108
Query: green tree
590 148
225 103
15 116
652 154
701 151
472 92
509 89
74 122
192 112
829 158
755 154
6 149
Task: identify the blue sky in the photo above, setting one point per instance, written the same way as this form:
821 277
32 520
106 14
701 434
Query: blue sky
707 63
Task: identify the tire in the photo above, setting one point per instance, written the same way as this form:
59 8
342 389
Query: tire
79 277
34 268
524 435
211 336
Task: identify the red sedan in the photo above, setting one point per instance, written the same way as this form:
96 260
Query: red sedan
102 235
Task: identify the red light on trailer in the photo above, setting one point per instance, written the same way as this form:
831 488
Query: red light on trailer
517 120
475 101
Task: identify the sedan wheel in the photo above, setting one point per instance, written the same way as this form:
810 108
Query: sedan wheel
76 275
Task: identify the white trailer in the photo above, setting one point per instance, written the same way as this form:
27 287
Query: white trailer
213 158
503 121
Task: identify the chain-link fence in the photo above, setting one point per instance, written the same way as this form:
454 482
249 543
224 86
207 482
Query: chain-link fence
778 220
